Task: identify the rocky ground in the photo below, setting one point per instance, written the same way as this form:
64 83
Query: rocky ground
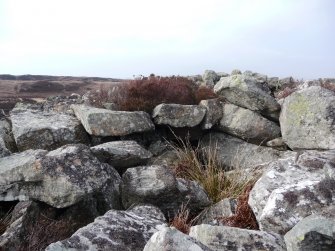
77 177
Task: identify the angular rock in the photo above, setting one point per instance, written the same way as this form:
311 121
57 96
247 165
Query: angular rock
225 207
277 143
210 78
247 124
116 230
235 153
59 178
157 185
213 112
245 91
292 188
231 238
172 239
42 130
236 72
122 154
7 143
308 119
35 225
103 122
178 115
315 232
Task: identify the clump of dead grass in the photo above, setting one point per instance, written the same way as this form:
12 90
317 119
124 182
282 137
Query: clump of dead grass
5 221
182 220
203 165
244 216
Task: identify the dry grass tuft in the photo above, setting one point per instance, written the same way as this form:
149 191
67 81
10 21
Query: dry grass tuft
203 166
244 216
182 220
5 221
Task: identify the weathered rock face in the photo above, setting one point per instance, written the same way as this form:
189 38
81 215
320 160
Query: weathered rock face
248 125
41 130
59 178
210 78
34 225
245 91
178 115
157 185
213 112
122 154
293 188
307 119
236 153
6 141
225 207
103 122
230 238
315 232
116 230
172 239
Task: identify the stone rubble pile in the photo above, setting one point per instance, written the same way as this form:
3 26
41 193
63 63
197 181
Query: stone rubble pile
107 172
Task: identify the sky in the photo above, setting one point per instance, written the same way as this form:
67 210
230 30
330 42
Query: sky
122 38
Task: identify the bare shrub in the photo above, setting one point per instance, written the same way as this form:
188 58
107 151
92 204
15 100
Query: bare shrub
244 216
182 220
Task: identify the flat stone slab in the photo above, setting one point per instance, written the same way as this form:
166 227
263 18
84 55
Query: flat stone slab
103 122
178 115
45 130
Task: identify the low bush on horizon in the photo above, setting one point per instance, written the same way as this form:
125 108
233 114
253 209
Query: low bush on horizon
146 93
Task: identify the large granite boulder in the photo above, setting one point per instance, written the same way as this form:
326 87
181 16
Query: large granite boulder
315 232
210 78
292 188
213 113
307 119
59 178
171 239
178 115
247 124
103 122
157 185
245 91
116 230
235 153
34 129
122 154
231 238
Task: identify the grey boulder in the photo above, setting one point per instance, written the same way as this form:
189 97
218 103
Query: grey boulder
157 185
231 238
234 153
122 154
213 112
45 130
307 119
176 115
315 232
115 231
7 144
247 124
170 239
59 178
245 91
103 122
210 78
292 188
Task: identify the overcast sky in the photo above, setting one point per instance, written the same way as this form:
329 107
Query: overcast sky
121 38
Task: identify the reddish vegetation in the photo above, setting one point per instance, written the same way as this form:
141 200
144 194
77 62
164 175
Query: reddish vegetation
182 221
243 217
144 94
